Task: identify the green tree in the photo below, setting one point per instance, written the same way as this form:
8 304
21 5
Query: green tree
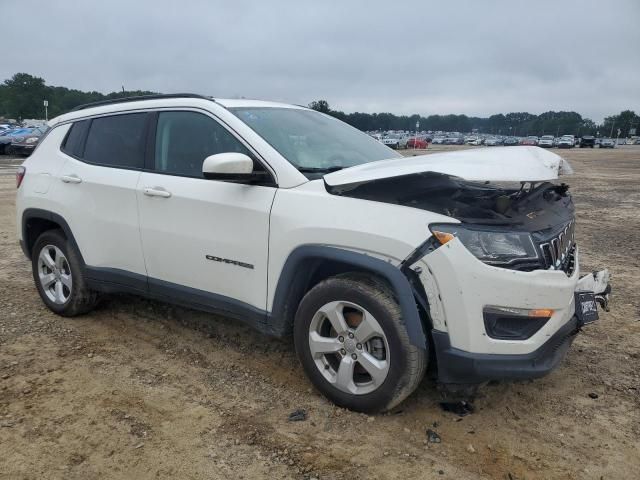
320 106
625 121
22 96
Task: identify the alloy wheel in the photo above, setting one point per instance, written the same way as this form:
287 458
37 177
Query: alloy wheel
54 274
349 347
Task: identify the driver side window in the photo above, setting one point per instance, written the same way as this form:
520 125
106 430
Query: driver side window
185 139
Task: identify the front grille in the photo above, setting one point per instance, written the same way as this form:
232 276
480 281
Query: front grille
558 252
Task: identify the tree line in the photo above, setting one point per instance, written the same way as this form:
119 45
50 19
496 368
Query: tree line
516 123
22 97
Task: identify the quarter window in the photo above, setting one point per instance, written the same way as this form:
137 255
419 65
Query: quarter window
185 139
74 143
117 141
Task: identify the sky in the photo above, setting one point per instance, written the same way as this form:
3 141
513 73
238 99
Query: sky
403 57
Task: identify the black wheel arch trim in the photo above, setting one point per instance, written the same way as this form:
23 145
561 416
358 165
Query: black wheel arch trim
38 213
401 286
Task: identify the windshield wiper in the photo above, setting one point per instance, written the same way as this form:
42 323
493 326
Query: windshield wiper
334 168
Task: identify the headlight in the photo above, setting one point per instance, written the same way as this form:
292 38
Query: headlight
490 246
18 139
32 140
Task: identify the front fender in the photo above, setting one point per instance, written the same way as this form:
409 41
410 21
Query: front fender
295 273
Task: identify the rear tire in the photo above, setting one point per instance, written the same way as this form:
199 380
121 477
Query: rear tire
59 277
367 363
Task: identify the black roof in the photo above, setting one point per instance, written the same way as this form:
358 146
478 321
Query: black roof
140 98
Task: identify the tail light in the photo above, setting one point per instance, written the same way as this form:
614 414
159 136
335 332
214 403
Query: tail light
20 176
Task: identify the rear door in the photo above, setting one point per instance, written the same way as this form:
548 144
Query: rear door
205 241
97 194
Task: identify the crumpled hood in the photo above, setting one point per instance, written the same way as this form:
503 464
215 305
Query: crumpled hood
503 164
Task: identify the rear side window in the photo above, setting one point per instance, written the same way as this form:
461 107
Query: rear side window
185 139
74 142
117 141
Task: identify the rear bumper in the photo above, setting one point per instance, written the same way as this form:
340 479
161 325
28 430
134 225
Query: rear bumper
459 367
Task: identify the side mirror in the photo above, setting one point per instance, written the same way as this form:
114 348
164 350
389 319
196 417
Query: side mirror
230 166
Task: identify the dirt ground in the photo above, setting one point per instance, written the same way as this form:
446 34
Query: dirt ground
140 389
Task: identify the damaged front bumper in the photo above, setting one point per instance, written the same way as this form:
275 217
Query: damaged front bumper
456 366
459 289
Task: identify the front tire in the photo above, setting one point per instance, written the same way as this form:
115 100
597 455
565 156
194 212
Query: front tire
57 272
353 345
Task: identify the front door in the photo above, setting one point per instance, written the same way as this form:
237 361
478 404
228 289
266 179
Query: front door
204 241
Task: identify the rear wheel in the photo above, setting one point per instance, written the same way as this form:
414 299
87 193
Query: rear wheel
57 272
352 342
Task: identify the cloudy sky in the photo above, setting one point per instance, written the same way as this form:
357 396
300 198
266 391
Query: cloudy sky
471 57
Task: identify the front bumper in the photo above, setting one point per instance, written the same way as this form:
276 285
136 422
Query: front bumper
20 149
459 367
458 287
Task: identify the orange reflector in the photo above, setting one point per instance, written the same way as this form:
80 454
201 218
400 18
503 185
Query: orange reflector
541 312
443 237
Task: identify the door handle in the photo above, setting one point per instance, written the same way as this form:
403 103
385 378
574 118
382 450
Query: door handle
71 179
156 192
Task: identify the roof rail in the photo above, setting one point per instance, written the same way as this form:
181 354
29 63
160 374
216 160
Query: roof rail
137 98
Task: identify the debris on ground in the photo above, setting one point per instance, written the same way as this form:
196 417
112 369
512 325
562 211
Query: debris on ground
462 408
433 437
593 395
299 415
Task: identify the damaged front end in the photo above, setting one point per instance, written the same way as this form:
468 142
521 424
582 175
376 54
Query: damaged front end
499 284
523 227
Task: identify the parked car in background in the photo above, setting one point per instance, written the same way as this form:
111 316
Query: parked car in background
473 140
546 141
566 141
606 143
438 140
531 140
8 137
392 140
417 142
493 142
25 144
587 141
454 140
511 141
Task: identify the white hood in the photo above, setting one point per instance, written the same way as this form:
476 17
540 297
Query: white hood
503 164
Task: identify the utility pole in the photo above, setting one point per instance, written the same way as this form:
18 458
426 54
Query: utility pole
46 110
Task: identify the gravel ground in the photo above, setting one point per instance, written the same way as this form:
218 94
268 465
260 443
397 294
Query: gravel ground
140 389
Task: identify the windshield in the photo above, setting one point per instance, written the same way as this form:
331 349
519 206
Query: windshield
311 141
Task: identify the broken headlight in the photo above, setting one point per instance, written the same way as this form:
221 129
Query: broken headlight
494 247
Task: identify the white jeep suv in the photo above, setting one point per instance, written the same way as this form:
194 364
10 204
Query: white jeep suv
296 223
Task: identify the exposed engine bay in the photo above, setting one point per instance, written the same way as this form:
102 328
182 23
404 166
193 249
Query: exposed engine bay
527 207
